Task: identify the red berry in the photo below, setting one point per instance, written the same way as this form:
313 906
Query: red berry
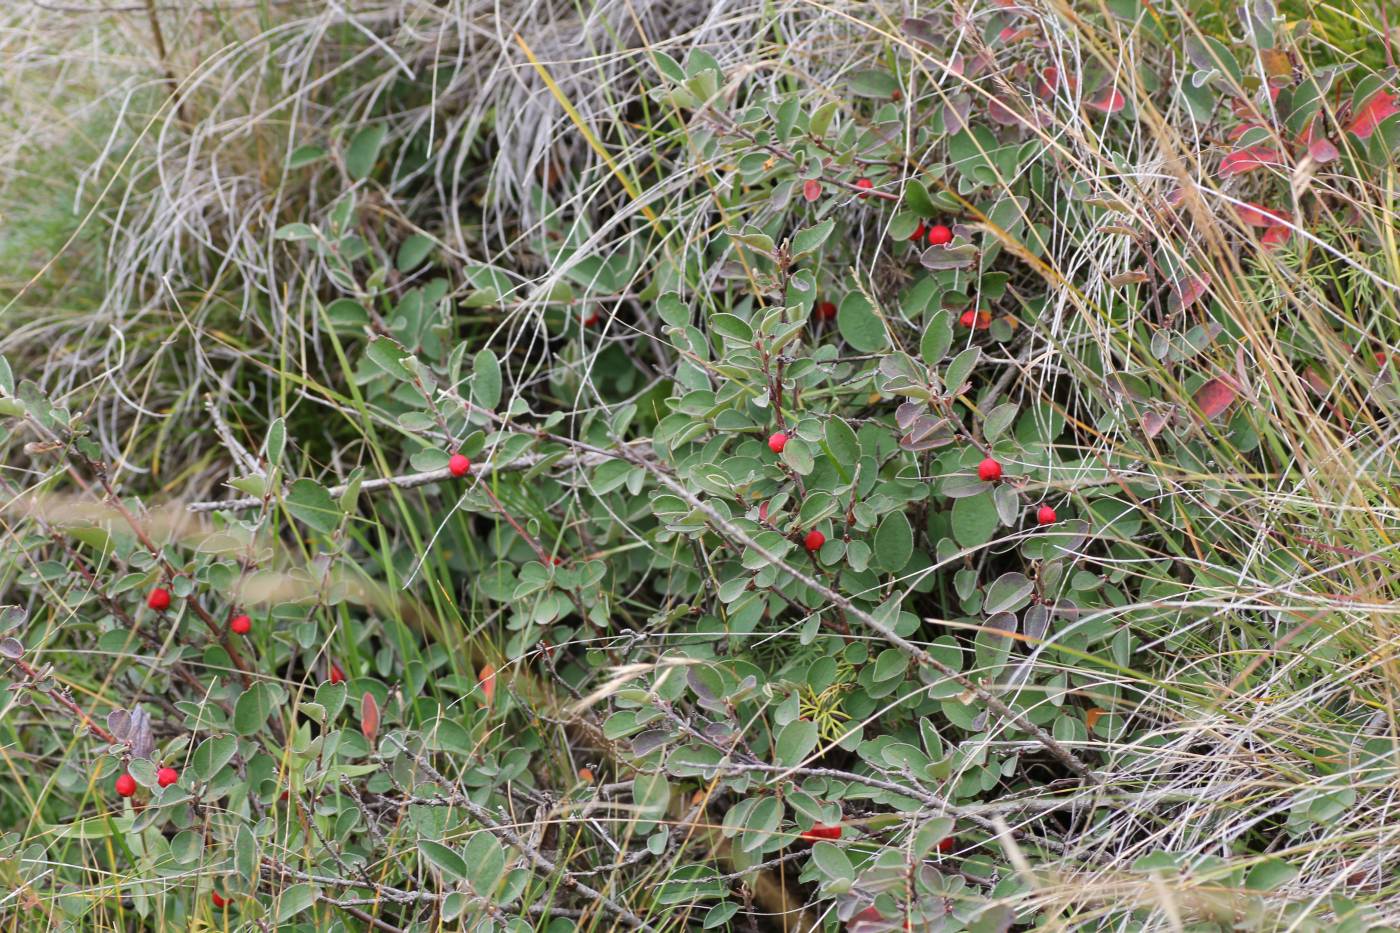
458 465
593 318
918 233
777 441
826 310
864 184
126 785
219 900
337 675
240 625
939 235
158 599
167 776
989 471
968 318
947 845
1046 515
814 541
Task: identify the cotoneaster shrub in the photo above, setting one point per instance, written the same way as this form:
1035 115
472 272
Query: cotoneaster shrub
868 509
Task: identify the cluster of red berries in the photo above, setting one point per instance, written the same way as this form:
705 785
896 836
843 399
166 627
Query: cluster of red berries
938 234
989 471
126 784
814 539
159 599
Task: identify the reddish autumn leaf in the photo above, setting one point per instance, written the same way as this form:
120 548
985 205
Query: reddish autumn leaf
1051 79
1110 101
1257 215
1243 128
487 680
1249 159
1153 422
1215 396
811 189
1315 381
822 832
1274 237
369 717
1001 114
1187 291
1370 114
868 919
1322 150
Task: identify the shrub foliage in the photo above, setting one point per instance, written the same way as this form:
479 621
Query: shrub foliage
926 473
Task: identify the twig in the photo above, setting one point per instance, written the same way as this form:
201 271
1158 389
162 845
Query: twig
62 698
426 478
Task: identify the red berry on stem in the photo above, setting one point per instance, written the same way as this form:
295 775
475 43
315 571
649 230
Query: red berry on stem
337 675
240 625
947 845
593 318
777 441
126 785
814 541
1046 515
967 319
864 184
939 235
918 233
219 900
826 310
989 471
458 465
167 776
158 599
